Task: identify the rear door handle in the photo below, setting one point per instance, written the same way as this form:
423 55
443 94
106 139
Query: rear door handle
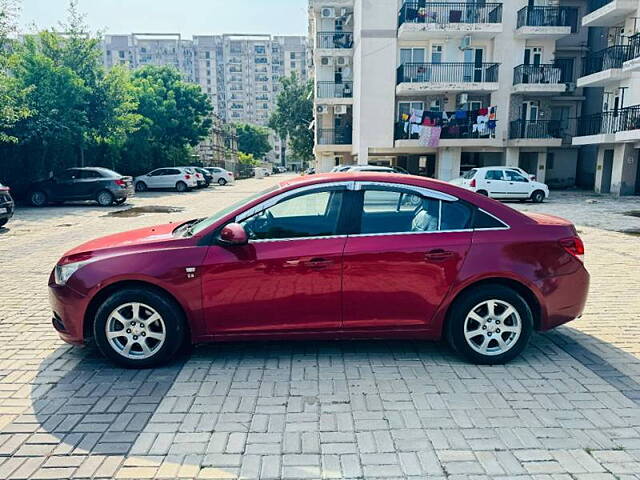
318 263
439 255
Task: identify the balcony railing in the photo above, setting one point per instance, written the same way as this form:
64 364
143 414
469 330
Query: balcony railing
620 120
448 72
596 4
549 17
612 57
536 129
334 40
335 90
449 12
330 136
551 73
459 131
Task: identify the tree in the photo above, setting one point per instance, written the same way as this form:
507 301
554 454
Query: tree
253 140
294 116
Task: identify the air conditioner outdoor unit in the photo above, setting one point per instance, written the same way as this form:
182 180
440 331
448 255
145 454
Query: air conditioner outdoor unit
322 110
340 110
342 61
326 61
465 44
328 12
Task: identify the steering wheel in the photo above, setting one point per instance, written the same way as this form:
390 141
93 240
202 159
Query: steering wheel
261 223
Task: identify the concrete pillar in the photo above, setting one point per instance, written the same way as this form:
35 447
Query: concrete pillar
623 174
512 157
541 171
599 168
448 164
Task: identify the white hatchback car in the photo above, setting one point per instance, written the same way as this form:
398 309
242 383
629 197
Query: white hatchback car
503 183
220 175
180 178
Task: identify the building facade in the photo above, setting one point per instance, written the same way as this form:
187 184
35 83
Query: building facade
441 87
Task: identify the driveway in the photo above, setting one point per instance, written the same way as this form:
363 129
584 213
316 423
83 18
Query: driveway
569 408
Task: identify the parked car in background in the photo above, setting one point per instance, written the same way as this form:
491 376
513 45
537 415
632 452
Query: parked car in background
206 176
261 172
503 183
280 169
220 175
7 206
309 171
523 172
200 181
88 183
179 178
371 168
475 272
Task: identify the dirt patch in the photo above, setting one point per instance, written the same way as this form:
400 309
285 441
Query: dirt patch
138 211
632 213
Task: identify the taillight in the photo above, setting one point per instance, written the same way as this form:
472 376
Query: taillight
473 183
121 183
574 246
187 177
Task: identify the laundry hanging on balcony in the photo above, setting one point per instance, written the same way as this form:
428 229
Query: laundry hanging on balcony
430 136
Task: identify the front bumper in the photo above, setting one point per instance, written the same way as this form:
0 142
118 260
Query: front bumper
68 312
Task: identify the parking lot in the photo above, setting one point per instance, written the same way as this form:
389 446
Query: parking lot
569 408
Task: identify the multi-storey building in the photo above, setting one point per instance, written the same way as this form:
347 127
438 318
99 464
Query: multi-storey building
612 126
440 87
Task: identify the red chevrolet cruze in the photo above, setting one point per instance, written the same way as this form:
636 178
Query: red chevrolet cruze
328 256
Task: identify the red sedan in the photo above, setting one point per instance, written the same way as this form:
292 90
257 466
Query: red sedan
328 256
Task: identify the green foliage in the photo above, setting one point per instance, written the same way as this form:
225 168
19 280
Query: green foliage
294 115
247 159
253 140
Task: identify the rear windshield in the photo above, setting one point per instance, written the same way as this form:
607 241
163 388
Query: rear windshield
470 174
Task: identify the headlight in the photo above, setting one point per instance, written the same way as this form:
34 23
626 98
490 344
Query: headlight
63 273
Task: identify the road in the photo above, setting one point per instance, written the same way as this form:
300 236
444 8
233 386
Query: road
568 409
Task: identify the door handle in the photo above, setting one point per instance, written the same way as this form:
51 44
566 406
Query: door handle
439 255
318 263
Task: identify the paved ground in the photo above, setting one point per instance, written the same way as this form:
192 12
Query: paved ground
568 409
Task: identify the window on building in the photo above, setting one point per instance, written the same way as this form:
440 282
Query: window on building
405 108
293 55
412 55
436 53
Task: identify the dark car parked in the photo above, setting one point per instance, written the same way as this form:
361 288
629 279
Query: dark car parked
6 205
91 183
206 175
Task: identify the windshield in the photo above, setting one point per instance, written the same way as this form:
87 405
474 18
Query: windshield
470 174
207 222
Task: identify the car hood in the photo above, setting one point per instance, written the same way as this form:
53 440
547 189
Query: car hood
125 240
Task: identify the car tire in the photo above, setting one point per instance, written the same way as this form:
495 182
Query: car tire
181 187
538 196
3 222
222 182
483 192
141 187
489 339
38 198
120 201
105 198
162 337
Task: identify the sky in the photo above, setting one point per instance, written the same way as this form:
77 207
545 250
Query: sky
188 17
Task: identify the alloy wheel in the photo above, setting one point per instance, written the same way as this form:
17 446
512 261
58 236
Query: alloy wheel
105 199
492 327
135 331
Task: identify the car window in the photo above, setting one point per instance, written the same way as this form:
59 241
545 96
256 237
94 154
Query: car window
515 176
389 201
495 175
157 173
456 215
314 214
90 174
171 171
483 220
470 174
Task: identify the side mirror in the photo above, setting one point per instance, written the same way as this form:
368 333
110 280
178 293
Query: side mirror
234 234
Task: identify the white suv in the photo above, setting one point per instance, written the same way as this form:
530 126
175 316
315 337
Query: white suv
503 183
180 178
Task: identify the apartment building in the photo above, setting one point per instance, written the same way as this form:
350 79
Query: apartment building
612 127
441 87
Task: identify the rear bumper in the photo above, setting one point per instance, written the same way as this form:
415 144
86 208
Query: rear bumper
565 297
68 308
120 193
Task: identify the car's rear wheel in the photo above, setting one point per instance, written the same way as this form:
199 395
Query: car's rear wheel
105 198
139 328
538 196
490 325
181 187
222 182
141 187
3 222
38 198
120 201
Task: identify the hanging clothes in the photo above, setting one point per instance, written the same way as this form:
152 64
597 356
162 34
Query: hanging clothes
416 129
461 115
434 140
416 116
491 124
425 136
405 117
483 111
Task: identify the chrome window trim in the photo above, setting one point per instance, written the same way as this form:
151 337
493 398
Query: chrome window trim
393 234
424 192
293 239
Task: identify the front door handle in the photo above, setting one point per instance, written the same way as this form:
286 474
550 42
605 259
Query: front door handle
318 263
439 255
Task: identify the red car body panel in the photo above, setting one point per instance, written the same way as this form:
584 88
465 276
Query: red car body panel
391 286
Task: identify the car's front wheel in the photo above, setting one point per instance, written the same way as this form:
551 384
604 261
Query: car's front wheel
139 328
490 325
141 187
538 196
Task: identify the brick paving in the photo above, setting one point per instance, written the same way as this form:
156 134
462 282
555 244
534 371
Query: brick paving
568 409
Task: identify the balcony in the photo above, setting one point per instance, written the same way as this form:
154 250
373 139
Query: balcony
418 20
331 136
605 66
334 40
415 78
608 13
463 133
622 125
536 133
633 63
550 23
335 91
550 79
